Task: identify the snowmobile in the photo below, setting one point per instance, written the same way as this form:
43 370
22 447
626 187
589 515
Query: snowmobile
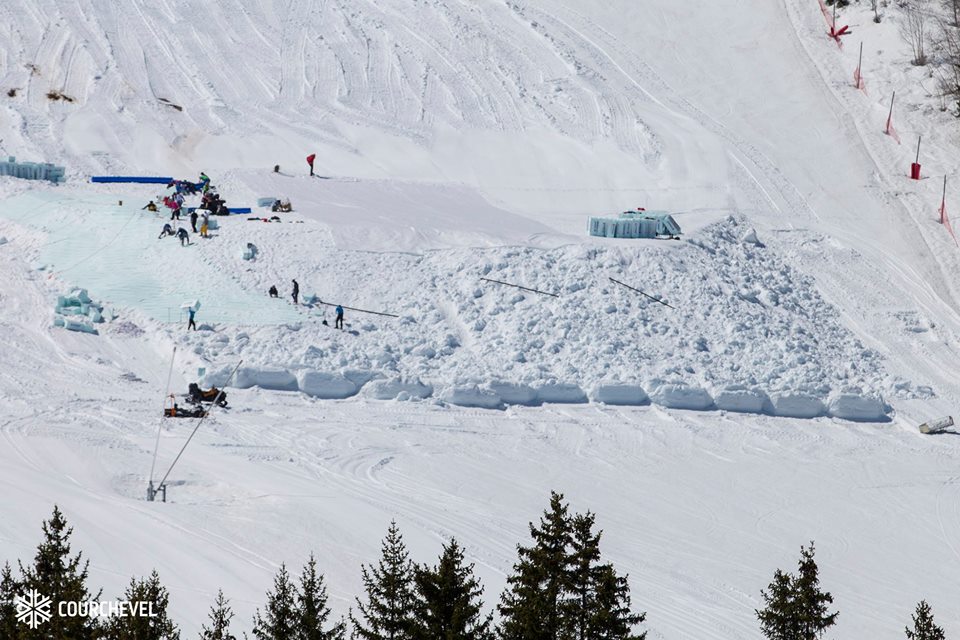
197 396
175 411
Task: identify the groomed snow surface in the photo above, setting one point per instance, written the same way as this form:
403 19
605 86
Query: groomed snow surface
809 321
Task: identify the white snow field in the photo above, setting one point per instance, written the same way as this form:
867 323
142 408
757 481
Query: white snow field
812 320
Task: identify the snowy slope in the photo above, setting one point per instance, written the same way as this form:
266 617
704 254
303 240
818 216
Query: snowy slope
467 140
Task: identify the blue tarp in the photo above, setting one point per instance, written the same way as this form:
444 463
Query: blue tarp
140 179
232 210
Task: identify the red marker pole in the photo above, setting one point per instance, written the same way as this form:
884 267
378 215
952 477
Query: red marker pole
915 167
858 74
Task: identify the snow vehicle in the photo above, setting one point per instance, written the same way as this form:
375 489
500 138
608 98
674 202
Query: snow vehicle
176 411
196 395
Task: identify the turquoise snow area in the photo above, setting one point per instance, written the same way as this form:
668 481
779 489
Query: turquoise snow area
114 253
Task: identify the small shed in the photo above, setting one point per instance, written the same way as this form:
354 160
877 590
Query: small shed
635 224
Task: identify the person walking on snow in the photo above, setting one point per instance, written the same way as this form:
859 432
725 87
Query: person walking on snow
193 220
296 291
338 323
310 159
184 236
191 324
204 224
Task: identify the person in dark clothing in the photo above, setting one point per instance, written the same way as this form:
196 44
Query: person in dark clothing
276 168
191 324
338 324
184 236
193 220
296 291
167 231
175 211
273 292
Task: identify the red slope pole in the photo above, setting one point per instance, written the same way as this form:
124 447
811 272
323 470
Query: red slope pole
915 167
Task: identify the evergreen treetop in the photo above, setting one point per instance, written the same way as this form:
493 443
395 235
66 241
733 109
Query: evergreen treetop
448 600
924 627
387 613
220 616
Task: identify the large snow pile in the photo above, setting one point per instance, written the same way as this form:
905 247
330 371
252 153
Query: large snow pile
746 331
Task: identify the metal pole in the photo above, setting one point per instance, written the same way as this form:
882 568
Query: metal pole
655 299
860 66
378 313
156 446
890 115
163 483
918 149
519 287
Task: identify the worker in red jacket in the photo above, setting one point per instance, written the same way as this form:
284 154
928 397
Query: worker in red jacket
310 159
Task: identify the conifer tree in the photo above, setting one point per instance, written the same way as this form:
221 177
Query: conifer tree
57 575
796 607
279 621
8 608
144 593
387 613
448 600
220 616
598 606
923 626
312 609
530 608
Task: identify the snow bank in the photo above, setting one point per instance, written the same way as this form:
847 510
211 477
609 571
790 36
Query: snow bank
326 386
858 408
398 389
680 396
797 405
619 394
561 393
273 379
513 393
742 400
472 396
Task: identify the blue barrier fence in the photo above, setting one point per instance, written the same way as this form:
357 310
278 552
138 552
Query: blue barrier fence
139 179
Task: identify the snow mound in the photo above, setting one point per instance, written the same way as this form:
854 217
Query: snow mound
857 408
398 389
742 400
619 394
326 386
680 396
513 393
791 404
272 379
472 396
561 393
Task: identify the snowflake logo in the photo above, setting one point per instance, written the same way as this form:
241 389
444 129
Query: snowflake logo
33 609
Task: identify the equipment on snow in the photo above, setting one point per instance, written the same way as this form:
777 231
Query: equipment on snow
196 395
937 426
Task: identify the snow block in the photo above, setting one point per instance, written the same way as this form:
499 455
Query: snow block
512 393
399 389
272 379
681 396
857 408
326 386
83 327
138 179
472 396
619 394
742 400
266 202
561 393
797 405
250 251
361 377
